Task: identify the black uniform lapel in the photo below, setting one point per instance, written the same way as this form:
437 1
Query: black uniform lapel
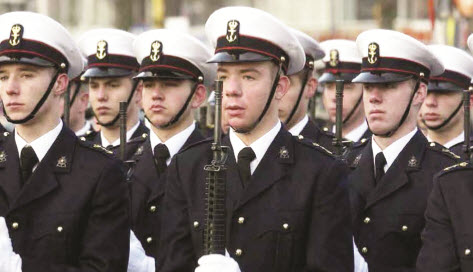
272 167
195 137
362 178
140 130
45 178
397 176
9 170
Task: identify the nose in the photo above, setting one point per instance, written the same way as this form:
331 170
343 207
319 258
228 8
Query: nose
231 87
101 93
431 100
12 87
157 92
374 95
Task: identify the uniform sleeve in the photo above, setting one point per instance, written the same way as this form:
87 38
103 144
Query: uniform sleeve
106 235
438 251
176 252
330 244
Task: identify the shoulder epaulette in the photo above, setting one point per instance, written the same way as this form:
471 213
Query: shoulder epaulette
443 150
93 146
139 139
455 167
362 142
313 144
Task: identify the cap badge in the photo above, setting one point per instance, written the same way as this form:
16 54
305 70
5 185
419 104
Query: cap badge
373 53
334 58
283 153
233 31
15 35
62 162
102 48
156 49
3 156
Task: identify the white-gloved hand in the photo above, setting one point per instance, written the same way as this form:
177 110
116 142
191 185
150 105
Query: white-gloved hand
360 263
138 261
9 260
217 263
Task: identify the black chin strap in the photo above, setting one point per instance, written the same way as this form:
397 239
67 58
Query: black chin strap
111 123
38 105
354 109
404 116
266 107
296 106
446 120
74 94
181 111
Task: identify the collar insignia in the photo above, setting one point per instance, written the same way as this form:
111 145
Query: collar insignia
412 162
283 153
62 162
16 34
3 157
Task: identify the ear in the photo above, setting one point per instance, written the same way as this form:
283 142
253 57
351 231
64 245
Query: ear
199 96
84 100
138 95
60 86
419 97
282 87
311 88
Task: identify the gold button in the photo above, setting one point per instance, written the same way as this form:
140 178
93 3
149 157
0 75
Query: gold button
367 220
325 129
196 224
15 225
285 226
241 220
82 139
364 250
149 240
152 209
363 140
60 229
238 252
301 137
432 144
6 134
467 252
404 228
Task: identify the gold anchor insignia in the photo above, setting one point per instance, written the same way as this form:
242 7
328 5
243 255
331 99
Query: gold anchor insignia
15 35
373 53
283 153
334 57
3 156
412 162
62 162
233 28
155 51
102 47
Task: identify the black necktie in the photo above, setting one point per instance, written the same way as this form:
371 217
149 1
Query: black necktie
28 160
161 154
245 157
380 162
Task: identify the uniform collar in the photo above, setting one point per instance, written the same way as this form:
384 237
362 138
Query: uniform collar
356 134
459 139
84 129
392 151
175 143
297 128
40 145
259 146
129 133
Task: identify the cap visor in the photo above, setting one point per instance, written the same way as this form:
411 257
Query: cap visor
442 86
368 77
163 74
106 72
329 77
26 60
225 57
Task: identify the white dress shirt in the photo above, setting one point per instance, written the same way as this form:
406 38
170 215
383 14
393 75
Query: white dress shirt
392 151
175 143
356 134
129 133
259 146
297 128
87 126
42 144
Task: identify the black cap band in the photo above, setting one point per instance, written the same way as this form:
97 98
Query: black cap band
113 61
166 62
396 65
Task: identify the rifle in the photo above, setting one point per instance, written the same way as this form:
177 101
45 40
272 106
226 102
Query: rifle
338 141
466 122
67 105
122 113
215 231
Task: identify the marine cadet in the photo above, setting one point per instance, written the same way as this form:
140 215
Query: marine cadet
442 110
287 209
293 106
343 62
448 237
175 73
109 74
393 171
64 204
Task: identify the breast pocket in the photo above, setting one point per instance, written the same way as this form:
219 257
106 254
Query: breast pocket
54 238
280 235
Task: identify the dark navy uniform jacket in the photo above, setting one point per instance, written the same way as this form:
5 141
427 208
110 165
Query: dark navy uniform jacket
293 215
73 213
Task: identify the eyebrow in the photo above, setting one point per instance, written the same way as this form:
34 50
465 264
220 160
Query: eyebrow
243 71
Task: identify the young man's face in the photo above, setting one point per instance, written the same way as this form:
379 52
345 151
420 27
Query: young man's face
246 88
438 106
385 104
290 98
105 95
351 94
21 88
164 98
78 108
